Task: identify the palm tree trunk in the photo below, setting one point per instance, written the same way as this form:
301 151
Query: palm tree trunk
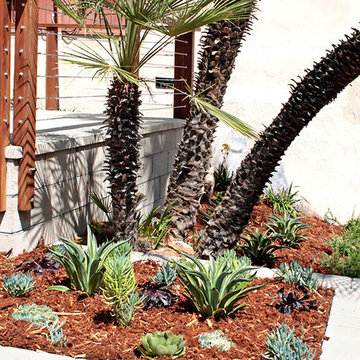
122 163
318 88
219 48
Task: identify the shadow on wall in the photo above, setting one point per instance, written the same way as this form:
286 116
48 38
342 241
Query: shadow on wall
62 183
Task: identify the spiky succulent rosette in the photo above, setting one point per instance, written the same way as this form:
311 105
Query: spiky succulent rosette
318 88
220 45
123 118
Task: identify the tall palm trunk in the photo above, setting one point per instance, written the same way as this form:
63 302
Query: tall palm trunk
318 88
122 161
219 48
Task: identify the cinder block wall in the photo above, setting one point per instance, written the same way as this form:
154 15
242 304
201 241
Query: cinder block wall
69 165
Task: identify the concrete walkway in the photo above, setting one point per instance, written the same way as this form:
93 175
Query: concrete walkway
343 328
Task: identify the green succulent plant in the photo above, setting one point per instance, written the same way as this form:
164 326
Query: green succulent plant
216 339
259 247
216 291
282 344
85 268
18 284
162 343
166 275
287 229
294 273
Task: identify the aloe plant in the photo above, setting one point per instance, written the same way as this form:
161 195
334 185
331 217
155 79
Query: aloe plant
85 268
215 292
163 343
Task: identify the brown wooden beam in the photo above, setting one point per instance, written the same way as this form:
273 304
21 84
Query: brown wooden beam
25 74
52 82
5 60
183 73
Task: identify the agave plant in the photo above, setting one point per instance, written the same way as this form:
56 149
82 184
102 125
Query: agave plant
85 268
317 88
287 229
119 61
162 343
215 292
259 247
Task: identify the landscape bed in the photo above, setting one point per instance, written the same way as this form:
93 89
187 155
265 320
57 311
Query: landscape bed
92 333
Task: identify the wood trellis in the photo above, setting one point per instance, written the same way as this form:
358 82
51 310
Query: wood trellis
25 18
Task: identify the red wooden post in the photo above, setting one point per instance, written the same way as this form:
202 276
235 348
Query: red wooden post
52 82
184 69
25 73
5 44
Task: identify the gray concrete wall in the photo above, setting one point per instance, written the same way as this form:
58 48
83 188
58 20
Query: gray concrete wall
69 164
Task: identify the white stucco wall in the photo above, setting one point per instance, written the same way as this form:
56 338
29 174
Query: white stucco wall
324 161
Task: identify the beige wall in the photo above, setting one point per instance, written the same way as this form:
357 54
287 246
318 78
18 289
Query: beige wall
324 161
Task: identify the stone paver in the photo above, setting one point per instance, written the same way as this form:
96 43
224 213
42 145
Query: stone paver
343 328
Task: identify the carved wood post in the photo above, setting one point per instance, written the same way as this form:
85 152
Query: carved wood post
5 44
184 69
25 74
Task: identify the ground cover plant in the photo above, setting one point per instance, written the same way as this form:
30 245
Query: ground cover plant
93 333
345 255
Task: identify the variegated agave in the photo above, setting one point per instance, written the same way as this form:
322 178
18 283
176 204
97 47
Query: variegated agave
216 291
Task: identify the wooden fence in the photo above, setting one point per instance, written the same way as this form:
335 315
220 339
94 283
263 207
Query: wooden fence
25 18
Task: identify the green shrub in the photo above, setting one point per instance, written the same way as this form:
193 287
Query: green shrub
214 292
215 339
154 228
287 229
18 284
85 268
283 201
282 344
345 256
162 344
303 278
259 247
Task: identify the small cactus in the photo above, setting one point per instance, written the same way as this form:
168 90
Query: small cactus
162 343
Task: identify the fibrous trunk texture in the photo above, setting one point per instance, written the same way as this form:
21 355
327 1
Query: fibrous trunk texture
123 119
319 87
219 47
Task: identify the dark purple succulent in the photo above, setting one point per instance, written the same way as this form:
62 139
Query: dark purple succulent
291 301
155 295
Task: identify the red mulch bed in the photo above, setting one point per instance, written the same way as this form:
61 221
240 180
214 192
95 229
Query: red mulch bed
92 333
310 251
